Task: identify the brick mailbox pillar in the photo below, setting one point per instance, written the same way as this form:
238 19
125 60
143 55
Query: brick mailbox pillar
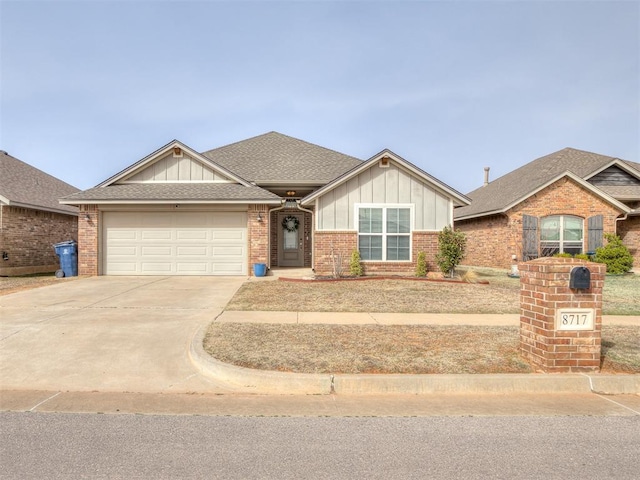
560 324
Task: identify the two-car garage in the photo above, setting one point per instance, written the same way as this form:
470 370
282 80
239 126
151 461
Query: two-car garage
174 243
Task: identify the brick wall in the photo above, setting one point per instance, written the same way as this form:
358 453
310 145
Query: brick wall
27 236
258 232
629 232
345 242
492 240
88 221
545 289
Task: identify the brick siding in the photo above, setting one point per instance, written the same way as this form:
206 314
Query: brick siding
88 222
258 232
339 245
492 240
629 232
27 236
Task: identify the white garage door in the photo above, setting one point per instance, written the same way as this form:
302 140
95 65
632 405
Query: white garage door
174 243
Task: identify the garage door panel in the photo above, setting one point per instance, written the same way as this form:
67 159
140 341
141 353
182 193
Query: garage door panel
192 234
174 243
156 251
159 234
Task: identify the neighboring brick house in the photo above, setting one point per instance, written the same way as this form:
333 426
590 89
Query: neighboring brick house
31 218
562 202
270 199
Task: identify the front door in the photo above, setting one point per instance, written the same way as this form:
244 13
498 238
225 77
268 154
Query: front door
290 239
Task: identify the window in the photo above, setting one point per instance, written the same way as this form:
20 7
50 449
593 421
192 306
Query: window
384 233
561 234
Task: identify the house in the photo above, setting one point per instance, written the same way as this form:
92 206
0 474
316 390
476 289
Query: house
31 218
562 202
271 199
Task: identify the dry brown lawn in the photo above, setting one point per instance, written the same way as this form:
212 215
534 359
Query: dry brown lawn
402 296
17 284
621 295
413 349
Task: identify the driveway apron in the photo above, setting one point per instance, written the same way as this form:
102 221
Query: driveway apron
119 334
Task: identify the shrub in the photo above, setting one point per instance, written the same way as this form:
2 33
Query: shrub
451 246
614 255
563 255
582 256
421 265
355 265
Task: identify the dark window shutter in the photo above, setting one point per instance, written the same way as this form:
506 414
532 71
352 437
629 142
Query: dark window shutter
595 229
529 237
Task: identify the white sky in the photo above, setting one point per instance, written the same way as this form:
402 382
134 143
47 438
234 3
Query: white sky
90 87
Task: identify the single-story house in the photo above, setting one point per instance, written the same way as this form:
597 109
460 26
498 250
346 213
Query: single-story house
562 202
271 199
31 218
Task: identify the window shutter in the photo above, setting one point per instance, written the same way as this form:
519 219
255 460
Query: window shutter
595 229
529 237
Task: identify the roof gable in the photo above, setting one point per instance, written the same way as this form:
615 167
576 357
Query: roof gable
25 186
383 160
175 162
277 159
517 185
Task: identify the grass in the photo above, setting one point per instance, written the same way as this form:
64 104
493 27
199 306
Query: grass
621 295
414 349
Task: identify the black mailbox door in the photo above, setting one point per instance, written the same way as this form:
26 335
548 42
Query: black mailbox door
580 278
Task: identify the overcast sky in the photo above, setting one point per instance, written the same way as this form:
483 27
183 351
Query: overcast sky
90 87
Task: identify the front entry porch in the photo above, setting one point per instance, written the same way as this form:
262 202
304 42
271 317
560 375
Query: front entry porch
290 233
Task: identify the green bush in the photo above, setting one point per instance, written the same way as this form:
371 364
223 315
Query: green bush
614 255
563 255
421 265
582 256
355 265
451 246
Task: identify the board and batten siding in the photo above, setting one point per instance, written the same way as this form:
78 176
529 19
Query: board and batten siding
391 185
171 168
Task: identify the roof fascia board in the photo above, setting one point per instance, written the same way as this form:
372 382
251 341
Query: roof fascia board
42 209
397 159
152 157
170 202
5 200
618 163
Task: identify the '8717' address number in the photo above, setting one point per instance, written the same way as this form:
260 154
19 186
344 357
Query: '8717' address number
574 319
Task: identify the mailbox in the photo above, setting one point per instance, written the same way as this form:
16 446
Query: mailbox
580 278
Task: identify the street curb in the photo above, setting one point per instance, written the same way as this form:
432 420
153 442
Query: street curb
272 382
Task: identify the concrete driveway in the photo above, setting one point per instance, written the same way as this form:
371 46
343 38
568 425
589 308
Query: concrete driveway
111 334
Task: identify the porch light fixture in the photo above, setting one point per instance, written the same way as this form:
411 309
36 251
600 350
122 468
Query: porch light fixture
87 216
259 216
291 193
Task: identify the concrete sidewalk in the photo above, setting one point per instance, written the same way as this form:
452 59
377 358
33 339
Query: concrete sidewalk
362 318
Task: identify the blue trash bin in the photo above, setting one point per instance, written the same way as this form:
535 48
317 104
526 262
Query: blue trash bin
259 269
68 253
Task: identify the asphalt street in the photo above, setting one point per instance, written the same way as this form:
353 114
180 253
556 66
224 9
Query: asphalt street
53 445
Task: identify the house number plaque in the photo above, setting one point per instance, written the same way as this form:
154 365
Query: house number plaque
574 319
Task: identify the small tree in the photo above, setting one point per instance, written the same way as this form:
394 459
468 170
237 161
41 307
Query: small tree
451 246
355 265
421 265
614 255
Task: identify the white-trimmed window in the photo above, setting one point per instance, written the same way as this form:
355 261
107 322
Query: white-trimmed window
561 234
384 232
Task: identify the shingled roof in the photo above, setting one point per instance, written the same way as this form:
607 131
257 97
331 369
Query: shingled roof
274 158
519 184
25 186
164 192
